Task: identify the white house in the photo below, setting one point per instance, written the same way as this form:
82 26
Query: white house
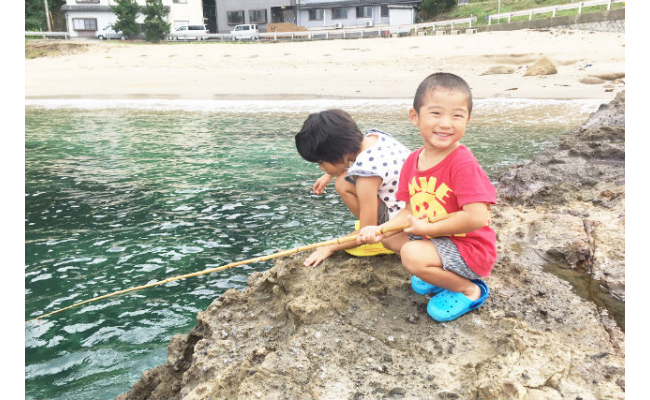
314 14
85 17
260 12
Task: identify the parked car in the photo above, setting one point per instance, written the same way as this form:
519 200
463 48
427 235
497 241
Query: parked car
198 32
109 33
245 31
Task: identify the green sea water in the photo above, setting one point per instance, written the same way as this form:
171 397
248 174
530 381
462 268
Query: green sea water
120 194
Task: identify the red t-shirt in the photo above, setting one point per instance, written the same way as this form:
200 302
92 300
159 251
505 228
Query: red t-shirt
455 181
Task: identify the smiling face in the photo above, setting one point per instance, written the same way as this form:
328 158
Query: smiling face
442 120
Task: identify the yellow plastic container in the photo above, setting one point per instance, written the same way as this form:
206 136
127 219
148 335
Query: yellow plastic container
368 250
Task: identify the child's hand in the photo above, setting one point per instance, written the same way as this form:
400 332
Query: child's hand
318 256
369 235
418 226
321 183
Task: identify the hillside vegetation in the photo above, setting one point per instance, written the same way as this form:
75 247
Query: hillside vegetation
482 8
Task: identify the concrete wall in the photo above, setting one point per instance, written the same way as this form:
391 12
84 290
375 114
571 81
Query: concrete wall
184 14
605 21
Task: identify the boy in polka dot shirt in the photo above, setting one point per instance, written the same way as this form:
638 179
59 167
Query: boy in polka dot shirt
366 168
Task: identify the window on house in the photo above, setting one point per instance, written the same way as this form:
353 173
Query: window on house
384 11
316 14
339 13
257 16
364 12
235 17
84 24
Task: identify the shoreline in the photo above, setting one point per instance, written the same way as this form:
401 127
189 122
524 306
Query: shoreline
290 97
369 68
487 110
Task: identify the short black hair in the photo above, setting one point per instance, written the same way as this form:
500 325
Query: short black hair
441 80
328 136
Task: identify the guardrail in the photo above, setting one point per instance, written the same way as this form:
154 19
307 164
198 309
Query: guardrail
347 33
65 35
451 22
552 9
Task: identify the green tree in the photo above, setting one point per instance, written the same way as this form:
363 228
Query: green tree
35 13
156 29
126 12
430 8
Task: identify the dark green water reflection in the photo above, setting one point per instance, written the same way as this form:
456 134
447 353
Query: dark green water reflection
119 197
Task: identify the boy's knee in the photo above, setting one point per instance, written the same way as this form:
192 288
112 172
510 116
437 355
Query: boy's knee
418 254
409 254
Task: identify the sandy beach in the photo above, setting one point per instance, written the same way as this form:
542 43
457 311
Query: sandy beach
357 68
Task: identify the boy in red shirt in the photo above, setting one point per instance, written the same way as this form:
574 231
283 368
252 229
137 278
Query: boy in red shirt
448 257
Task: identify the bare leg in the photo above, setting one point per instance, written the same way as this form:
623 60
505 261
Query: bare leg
421 258
348 193
396 242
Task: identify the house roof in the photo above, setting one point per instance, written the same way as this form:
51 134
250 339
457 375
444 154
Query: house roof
351 3
93 7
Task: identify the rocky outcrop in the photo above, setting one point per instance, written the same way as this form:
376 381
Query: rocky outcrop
543 66
570 201
498 70
595 153
353 328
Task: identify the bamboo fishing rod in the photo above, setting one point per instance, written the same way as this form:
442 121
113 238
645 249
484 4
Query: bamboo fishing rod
341 240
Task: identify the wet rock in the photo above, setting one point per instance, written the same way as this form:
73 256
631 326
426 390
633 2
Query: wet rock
573 195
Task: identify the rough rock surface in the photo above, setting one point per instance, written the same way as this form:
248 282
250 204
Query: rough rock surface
592 80
574 193
612 76
499 69
543 66
354 329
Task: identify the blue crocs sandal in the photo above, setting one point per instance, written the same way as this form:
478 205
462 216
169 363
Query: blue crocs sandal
421 287
448 306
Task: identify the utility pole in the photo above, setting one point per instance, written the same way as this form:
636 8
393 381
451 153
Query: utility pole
499 9
47 17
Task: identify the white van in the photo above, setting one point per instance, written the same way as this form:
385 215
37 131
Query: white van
198 32
245 31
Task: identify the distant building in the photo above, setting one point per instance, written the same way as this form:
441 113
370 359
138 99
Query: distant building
315 14
261 12
85 17
350 13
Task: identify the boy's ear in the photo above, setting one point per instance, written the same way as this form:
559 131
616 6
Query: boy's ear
413 116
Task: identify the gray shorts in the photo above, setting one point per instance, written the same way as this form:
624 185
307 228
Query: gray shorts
382 210
451 258
382 213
